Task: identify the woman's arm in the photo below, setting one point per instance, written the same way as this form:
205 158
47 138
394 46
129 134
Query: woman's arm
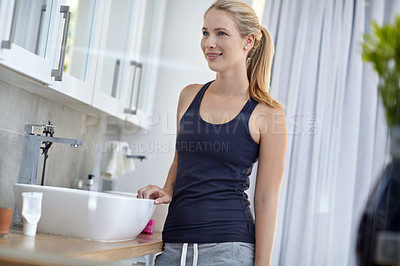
271 161
164 195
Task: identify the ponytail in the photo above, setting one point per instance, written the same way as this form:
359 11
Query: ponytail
259 66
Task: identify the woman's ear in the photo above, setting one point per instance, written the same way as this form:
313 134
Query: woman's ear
249 42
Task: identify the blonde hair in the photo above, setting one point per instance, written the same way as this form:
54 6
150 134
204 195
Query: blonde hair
260 57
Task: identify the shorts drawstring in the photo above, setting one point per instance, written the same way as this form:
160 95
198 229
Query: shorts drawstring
184 253
195 254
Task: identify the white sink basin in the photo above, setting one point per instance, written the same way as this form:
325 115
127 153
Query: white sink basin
88 214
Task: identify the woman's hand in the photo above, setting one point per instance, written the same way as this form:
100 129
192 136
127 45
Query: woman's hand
161 196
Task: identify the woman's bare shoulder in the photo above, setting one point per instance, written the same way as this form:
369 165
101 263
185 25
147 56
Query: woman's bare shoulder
186 97
190 91
269 118
268 110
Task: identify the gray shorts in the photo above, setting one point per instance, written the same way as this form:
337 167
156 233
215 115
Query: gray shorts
209 254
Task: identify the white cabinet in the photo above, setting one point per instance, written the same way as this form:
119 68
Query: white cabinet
103 53
76 55
55 42
137 104
119 30
24 37
130 46
7 20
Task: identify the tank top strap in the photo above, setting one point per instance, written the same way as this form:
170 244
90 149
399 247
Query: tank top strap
249 108
199 96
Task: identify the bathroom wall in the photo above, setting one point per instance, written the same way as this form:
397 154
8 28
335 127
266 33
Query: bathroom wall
65 164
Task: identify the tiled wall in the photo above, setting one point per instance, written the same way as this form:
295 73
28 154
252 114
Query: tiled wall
65 164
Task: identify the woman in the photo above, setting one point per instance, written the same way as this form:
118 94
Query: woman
224 127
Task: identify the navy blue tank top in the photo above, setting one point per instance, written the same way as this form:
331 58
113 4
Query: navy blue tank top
209 204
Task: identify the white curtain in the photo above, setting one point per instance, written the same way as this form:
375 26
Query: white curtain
337 134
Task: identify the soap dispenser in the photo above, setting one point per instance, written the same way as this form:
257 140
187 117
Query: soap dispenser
90 182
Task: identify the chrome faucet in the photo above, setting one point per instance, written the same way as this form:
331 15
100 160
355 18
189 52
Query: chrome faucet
35 136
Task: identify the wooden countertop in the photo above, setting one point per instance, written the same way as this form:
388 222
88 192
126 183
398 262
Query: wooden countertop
73 248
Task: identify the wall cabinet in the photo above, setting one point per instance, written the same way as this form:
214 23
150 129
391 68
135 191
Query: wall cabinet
129 51
24 40
76 54
114 68
103 53
137 102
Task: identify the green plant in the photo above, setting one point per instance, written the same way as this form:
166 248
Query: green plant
381 47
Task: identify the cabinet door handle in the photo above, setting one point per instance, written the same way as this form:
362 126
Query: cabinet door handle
130 110
39 35
58 72
7 44
115 80
138 66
